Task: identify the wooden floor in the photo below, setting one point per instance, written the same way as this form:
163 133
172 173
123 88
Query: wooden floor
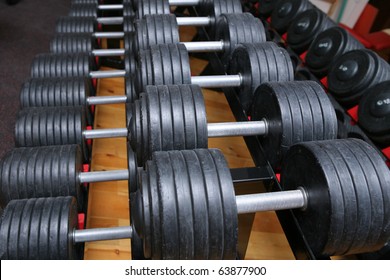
108 202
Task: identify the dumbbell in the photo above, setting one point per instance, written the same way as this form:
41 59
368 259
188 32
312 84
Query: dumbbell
186 207
305 27
327 47
231 29
174 118
93 9
53 171
286 11
374 113
251 65
353 73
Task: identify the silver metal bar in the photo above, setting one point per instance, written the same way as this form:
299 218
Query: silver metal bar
105 133
211 46
101 100
183 2
103 176
100 234
109 35
251 128
110 20
108 52
274 201
193 21
107 74
217 81
110 7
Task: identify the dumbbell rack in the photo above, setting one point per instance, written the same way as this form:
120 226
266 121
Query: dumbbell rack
347 118
259 179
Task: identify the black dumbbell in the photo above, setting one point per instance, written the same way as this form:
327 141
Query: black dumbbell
174 118
328 46
374 113
305 27
53 171
353 73
286 11
251 65
186 207
231 29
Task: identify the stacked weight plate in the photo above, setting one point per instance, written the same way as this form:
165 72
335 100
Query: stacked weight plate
171 116
357 78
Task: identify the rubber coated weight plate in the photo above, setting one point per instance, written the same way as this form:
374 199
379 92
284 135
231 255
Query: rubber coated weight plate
83 10
128 26
328 46
76 25
73 43
286 11
185 213
41 172
151 7
199 204
353 73
315 166
257 64
61 66
234 29
284 105
54 220
215 8
374 112
304 28
46 92
51 126
156 29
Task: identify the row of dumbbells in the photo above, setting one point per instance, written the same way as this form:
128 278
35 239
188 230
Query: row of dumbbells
355 75
169 117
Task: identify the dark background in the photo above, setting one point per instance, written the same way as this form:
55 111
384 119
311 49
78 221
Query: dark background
25 30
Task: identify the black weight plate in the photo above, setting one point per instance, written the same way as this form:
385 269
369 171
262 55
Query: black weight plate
229 205
233 29
133 168
34 252
383 176
166 121
68 219
137 251
152 7
154 128
24 231
76 25
44 232
72 43
199 204
374 111
128 9
191 134
14 231
351 210
307 165
353 73
328 46
200 117
6 222
128 25
176 106
304 28
285 11
257 64
84 10
370 200
214 203
169 208
185 215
